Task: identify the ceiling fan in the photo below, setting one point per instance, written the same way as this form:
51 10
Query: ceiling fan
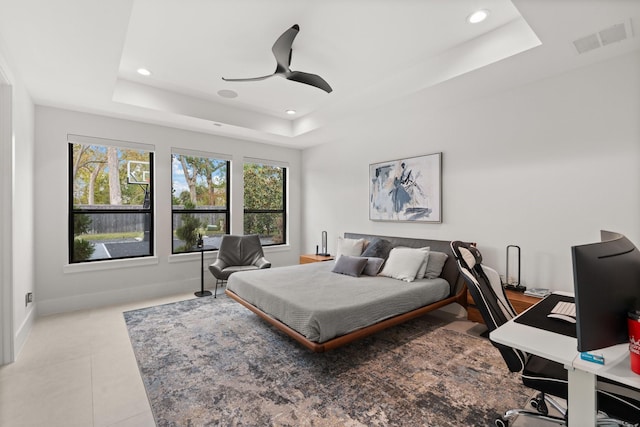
282 51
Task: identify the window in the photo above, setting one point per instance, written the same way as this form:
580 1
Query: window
199 200
110 199
265 201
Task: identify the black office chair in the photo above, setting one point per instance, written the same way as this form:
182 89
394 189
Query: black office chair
237 253
546 376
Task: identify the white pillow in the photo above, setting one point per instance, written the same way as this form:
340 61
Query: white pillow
349 247
423 267
403 264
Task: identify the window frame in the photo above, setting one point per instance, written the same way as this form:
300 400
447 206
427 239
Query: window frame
73 211
283 211
226 211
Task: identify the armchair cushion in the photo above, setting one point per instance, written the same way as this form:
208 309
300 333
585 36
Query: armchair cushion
262 262
217 269
238 253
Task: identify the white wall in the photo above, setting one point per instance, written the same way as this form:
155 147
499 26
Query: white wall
60 287
17 206
544 166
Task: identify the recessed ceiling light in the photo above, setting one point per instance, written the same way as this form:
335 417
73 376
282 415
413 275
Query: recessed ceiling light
478 16
144 72
226 93
290 112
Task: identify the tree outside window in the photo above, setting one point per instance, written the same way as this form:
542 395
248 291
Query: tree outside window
110 202
265 202
200 200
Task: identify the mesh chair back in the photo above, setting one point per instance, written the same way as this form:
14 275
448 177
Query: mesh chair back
487 292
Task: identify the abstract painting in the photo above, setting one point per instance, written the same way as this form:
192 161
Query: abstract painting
406 189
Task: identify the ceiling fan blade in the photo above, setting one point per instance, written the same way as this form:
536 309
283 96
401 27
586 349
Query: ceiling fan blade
282 51
309 79
248 79
282 48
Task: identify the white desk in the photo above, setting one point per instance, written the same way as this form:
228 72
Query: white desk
581 374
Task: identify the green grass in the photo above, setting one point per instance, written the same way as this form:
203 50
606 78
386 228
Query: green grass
134 234
111 236
206 233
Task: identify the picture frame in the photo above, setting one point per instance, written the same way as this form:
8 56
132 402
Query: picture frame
406 190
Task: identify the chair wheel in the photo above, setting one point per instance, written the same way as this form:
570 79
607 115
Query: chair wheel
540 405
499 422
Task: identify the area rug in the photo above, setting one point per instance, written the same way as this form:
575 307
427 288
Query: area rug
210 362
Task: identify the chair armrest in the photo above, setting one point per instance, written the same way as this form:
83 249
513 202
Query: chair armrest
262 262
217 267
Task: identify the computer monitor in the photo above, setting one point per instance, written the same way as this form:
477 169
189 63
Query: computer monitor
606 279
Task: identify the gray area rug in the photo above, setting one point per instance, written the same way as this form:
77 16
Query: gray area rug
210 362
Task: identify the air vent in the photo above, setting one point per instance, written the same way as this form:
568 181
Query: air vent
587 43
612 34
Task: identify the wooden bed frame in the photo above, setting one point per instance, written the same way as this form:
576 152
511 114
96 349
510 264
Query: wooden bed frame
450 273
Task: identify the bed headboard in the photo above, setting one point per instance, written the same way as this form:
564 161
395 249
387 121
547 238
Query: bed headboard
449 272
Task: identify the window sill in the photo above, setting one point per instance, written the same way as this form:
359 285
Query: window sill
109 264
192 256
276 248
210 256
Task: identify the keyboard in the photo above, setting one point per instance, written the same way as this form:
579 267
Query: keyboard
564 308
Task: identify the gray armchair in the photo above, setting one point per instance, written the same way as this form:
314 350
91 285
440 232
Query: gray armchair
237 253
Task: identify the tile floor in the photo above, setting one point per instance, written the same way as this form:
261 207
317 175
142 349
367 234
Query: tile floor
78 369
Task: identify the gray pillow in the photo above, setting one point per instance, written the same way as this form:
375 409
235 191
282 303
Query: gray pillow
373 266
435 263
350 265
378 248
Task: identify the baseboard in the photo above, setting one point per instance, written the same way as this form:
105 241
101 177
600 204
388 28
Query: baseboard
117 296
23 331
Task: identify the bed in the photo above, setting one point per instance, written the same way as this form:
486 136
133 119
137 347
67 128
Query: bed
324 310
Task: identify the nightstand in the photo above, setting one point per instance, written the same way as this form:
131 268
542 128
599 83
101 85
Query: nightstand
519 301
309 258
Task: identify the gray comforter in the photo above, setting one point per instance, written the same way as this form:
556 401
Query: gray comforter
322 305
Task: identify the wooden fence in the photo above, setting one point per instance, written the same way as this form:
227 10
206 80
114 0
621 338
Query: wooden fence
125 222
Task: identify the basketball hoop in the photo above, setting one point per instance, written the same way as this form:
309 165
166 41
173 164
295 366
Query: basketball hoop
138 172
